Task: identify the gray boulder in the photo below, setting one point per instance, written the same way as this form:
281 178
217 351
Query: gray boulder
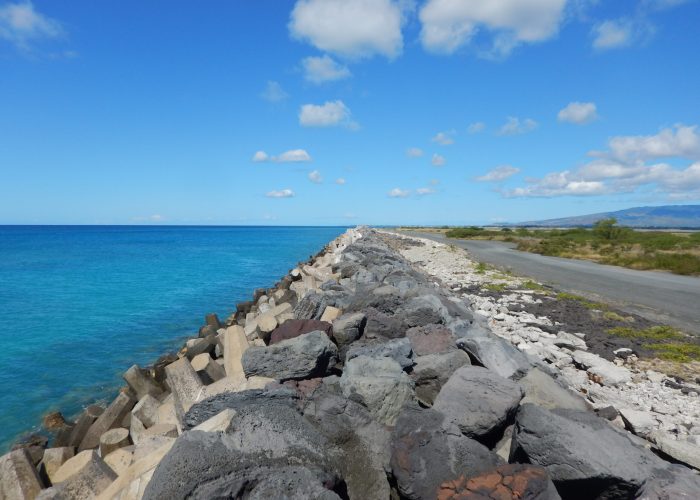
479 402
397 349
309 355
423 310
380 384
431 372
427 452
545 391
384 325
496 354
677 483
311 306
585 456
349 327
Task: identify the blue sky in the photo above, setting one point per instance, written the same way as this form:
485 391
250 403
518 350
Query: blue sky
345 111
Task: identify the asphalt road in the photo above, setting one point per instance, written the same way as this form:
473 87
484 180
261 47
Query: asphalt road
664 297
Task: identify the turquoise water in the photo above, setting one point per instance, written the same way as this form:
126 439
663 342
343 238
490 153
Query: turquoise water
79 305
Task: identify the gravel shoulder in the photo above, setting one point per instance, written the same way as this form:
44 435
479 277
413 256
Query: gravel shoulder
657 296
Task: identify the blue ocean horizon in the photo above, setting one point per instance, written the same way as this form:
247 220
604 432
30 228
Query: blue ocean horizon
80 304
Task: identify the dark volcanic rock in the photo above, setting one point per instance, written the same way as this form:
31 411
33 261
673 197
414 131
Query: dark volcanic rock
307 356
293 328
479 402
431 339
427 452
380 324
423 310
311 306
397 349
504 482
431 372
585 456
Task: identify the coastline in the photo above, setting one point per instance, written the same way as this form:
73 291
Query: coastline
309 349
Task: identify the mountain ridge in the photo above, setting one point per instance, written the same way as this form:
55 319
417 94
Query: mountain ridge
667 216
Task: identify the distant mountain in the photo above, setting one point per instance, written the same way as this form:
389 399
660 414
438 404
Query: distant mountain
671 216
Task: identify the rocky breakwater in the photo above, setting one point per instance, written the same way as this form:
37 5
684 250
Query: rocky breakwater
355 377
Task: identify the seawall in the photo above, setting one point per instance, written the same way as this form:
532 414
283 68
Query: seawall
357 376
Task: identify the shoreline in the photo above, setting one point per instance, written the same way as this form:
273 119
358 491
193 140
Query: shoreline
316 341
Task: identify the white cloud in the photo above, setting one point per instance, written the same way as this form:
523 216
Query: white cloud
351 28
515 126
340 181
612 34
260 156
680 141
476 127
274 92
283 193
448 25
424 191
330 114
399 193
324 69
499 174
21 25
579 113
438 160
292 156
627 167
315 177
149 218
414 152
444 138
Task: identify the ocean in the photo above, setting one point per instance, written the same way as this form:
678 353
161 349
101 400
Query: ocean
80 304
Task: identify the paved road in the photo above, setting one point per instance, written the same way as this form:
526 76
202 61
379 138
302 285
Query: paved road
664 297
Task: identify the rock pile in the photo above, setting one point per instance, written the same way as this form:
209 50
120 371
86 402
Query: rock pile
355 377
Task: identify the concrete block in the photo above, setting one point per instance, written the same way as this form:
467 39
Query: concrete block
166 430
266 324
110 419
54 458
141 383
212 319
235 344
207 369
136 429
146 410
150 444
185 385
217 423
83 424
19 478
166 413
119 460
196 347
113 439
85 475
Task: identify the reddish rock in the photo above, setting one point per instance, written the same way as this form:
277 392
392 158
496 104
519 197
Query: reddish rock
293 328
431 339
505 482
54 421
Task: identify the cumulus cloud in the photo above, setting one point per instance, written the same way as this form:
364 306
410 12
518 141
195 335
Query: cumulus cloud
476 127
292 156
425 191
324 69
499 174
448 25
438 160
340 181
274 92
351 28
22 25
629 164
414 152
399 193
516 126
315 177
579 113
330 114
282 193
444 138
612 34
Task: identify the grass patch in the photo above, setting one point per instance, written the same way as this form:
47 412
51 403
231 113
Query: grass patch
613 316
531 285
481 268
661 332
583 301
680 353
